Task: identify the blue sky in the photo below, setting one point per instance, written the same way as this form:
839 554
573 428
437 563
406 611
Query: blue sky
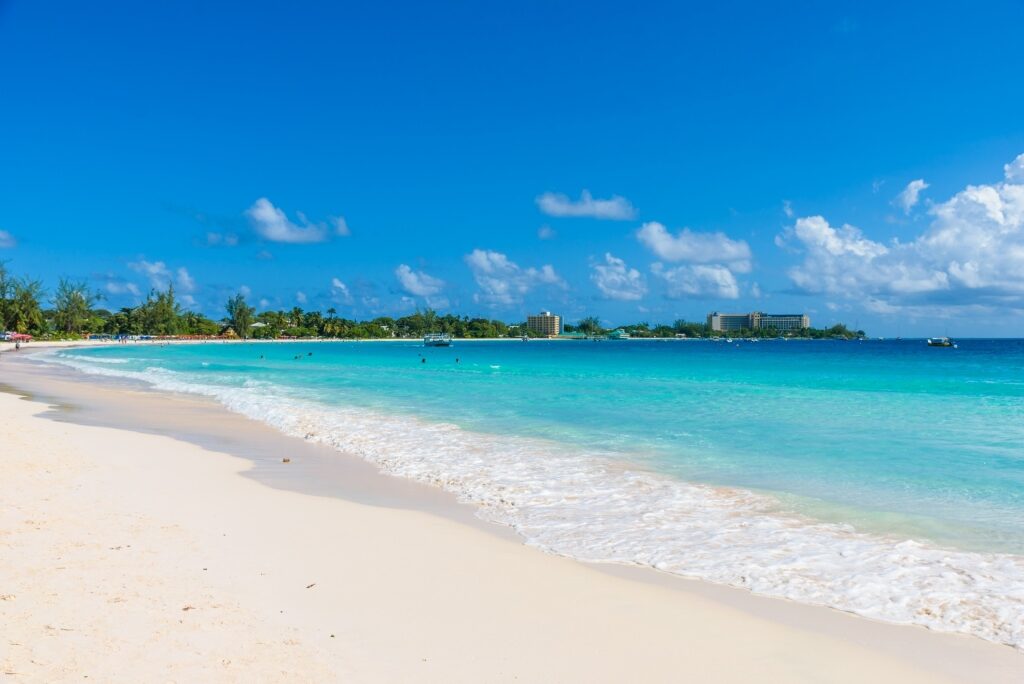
376 157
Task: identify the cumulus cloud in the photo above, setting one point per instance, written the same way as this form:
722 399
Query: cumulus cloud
185 281
697 281
972 254
702 248
546 233
502 282
787 208
300 297
616 280
156 272
7 240
340 291
418 283
272 224
214 239
118 286
615 208
911 194
160 276
1014 171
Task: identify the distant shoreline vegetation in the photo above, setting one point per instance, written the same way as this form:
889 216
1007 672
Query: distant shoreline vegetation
74 314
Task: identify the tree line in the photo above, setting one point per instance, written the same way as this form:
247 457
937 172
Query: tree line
73 310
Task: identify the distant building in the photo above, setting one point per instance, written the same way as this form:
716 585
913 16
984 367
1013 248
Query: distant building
756 320
545 323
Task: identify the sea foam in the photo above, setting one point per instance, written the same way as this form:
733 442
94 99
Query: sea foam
594 507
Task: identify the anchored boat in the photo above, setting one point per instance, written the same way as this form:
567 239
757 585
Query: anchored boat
941 342
437 340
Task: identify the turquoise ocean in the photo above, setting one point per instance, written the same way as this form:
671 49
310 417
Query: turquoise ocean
884 478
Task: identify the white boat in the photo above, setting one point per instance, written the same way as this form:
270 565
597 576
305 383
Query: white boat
437 340
941 342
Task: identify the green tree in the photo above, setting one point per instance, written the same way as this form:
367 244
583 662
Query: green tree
590 325
24 313
6 296
72 304
240 315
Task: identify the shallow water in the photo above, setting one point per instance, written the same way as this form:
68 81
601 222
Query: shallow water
882 477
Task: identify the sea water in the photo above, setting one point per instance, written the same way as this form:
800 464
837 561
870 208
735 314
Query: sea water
880 477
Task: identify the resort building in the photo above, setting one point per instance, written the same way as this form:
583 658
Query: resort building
756 320
545 323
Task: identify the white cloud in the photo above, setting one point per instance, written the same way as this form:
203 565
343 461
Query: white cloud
7 240
787 208
264 303
156 272
1015 170
546 233
616 208
698 281
972 254
272 224
245 290
910 196
340 291
702 248
185 281
417 282
300 297
842 261
502 282
214 239
617 281
755 291
117 286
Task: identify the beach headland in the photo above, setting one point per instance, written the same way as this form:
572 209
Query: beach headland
152 536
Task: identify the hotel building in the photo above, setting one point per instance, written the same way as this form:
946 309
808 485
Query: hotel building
756 320
545 323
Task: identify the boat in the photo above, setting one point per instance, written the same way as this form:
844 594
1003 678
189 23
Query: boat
437 340
941 342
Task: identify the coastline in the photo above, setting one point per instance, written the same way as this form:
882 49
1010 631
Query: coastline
507 610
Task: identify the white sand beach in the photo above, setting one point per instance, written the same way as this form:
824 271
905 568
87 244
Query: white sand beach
144 555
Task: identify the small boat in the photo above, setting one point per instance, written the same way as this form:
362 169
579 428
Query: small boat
941 342
437 340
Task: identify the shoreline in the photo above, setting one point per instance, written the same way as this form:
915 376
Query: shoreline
122 409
